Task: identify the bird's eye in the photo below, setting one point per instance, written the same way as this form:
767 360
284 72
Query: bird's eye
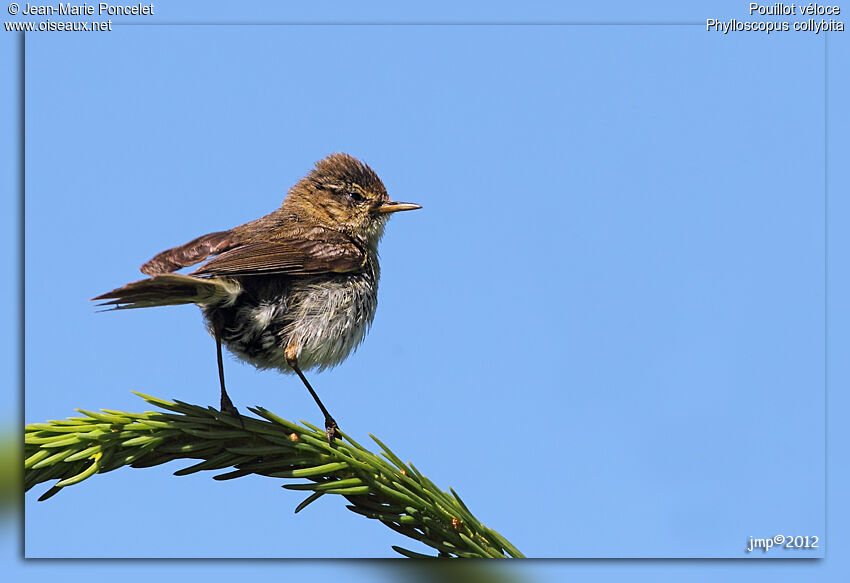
355 196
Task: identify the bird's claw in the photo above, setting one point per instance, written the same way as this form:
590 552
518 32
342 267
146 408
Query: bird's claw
228 407
332 430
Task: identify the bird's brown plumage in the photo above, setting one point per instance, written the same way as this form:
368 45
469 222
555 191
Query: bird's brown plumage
295 289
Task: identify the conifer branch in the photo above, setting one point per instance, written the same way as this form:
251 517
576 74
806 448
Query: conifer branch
388 490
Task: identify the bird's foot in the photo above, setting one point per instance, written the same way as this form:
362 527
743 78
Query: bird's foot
332 429
228 407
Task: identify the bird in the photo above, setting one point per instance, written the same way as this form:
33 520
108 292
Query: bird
293 290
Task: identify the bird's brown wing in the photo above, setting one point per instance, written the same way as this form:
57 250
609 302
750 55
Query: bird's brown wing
190 253
296 256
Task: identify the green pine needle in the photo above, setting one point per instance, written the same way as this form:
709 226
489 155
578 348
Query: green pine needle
379 487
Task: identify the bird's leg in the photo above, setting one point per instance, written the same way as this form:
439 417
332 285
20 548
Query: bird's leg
226 404
330 424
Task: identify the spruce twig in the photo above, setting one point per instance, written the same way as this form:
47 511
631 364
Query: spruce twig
381 488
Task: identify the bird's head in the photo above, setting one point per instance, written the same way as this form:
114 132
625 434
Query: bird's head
346 195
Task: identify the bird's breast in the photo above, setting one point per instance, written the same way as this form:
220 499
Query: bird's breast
326 317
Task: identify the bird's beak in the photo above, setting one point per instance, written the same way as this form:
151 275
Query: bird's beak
394 207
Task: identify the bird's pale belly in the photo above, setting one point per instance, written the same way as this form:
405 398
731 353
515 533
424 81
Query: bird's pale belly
326 318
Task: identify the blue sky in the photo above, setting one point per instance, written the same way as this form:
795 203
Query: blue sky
605 328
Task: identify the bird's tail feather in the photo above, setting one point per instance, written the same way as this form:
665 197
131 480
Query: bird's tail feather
171 289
